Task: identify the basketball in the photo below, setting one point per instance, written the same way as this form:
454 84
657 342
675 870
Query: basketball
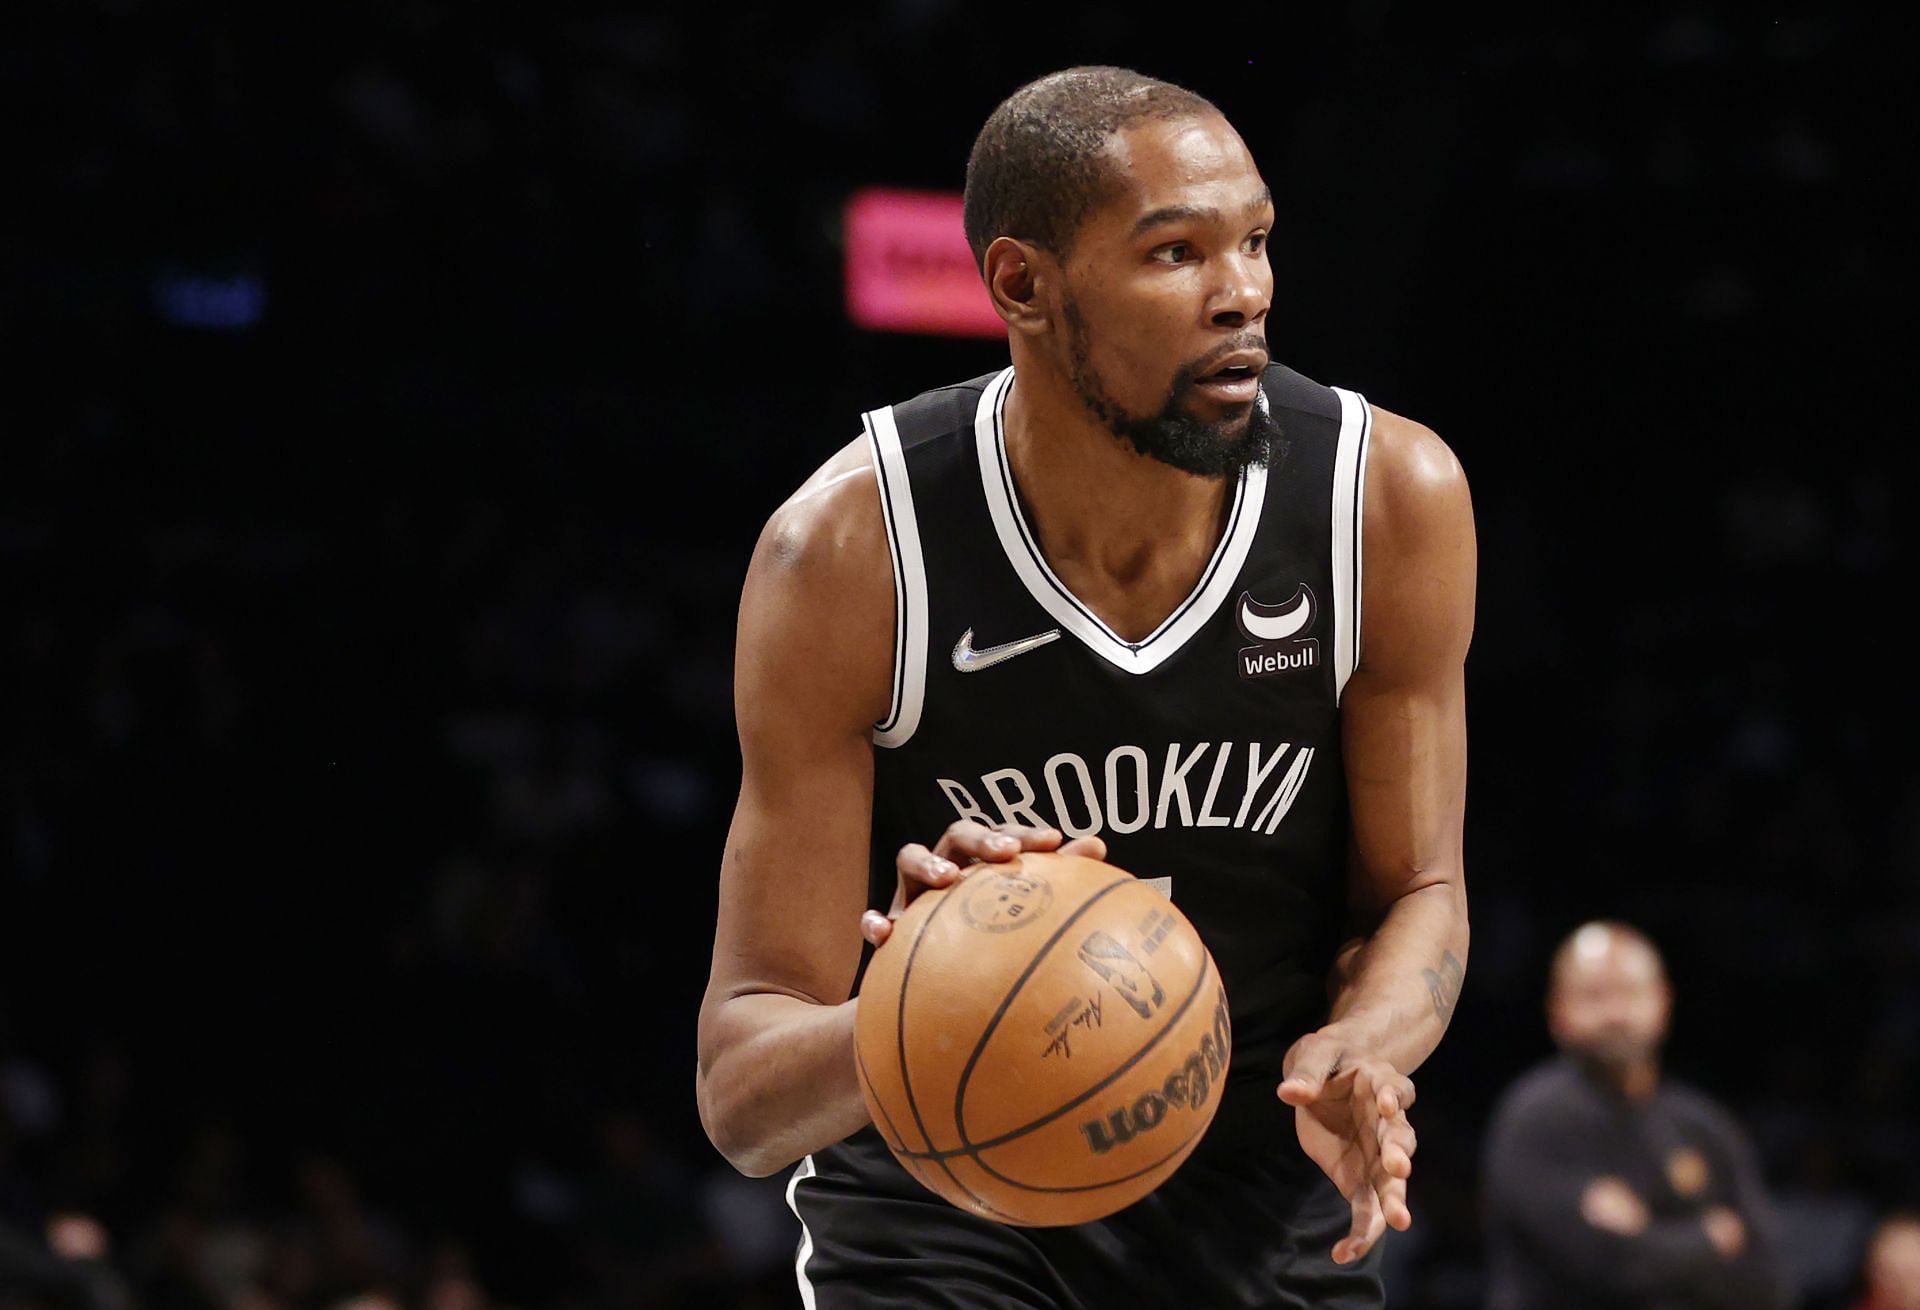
1044 1041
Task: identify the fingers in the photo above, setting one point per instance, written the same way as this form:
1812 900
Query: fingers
1364 1109
1388 1141
964 842
972 843
1390 1187
1352 1112
1092 848
1395 1090
1395 1133
1369 1225
1300 1090
1309 1063
1398 1142
919 867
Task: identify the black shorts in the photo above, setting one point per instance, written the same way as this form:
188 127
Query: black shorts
1228 1230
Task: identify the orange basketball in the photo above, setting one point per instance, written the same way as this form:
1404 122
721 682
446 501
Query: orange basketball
1044 1041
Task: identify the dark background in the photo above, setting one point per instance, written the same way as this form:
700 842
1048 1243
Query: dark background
393 395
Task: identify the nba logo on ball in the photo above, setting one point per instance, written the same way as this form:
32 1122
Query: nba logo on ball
1044 1041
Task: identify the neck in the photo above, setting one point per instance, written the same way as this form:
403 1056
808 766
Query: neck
1637 1079
1149 527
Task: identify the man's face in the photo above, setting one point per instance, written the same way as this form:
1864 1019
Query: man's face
1165 298
1610 1001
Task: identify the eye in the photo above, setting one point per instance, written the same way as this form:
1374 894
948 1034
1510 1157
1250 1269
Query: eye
1256 243
1174 252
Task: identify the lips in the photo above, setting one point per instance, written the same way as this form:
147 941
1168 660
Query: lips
1240 364
1235 380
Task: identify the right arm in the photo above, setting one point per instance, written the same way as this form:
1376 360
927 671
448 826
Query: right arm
813 673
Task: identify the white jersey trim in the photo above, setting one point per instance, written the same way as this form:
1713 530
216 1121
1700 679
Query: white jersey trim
909 581
803 1170
1023 551
1349 527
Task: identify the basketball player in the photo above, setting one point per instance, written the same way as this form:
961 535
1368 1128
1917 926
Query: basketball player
1144 595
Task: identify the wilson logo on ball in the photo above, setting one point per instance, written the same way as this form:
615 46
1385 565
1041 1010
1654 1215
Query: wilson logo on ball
1186 1088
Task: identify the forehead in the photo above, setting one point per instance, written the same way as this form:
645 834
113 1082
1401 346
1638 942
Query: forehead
1898 1244
1620 963
1191 162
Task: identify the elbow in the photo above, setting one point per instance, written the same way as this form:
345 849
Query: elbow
758 1164
733 1135
750 1158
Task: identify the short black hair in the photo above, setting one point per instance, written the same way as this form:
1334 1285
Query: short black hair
1036 169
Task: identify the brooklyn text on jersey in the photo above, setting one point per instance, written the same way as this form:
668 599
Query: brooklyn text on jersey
1205 784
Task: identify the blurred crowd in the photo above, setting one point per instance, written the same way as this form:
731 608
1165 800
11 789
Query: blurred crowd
397 392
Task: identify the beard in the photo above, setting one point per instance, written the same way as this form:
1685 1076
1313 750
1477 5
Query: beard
1616 1052
1174 435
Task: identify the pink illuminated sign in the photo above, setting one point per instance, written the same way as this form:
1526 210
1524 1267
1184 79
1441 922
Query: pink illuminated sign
909 268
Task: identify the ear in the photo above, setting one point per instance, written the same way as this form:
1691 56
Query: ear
1018 276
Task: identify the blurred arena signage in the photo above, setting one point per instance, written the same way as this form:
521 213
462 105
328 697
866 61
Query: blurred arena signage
909 268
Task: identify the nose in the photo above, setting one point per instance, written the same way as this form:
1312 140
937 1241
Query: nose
1245 292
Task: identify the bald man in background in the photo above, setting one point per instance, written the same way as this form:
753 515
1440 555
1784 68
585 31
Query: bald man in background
1606 1186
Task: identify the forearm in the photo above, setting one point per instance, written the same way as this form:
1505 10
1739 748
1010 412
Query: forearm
776 1079
1667 1257
1754 1281
1537 1193
1395 994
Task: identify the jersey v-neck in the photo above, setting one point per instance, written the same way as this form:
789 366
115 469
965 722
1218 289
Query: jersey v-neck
1022 550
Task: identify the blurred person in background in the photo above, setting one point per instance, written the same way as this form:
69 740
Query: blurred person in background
70 1269
1892 1271
1607 1185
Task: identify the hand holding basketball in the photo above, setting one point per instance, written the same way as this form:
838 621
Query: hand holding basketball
1046 1041
1350 1110
963 844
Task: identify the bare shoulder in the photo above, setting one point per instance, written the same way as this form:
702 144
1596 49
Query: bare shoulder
829 535
1419 554
1415 484
818 600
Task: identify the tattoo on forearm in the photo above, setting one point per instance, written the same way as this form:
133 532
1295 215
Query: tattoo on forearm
1443 984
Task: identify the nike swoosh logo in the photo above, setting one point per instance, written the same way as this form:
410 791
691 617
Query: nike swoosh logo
1275 622
968 660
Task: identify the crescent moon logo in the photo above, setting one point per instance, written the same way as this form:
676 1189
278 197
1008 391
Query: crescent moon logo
1276 622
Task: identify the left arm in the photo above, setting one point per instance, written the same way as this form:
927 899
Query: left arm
1405 739
1755 1277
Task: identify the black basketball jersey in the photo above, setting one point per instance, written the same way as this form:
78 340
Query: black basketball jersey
1206 755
